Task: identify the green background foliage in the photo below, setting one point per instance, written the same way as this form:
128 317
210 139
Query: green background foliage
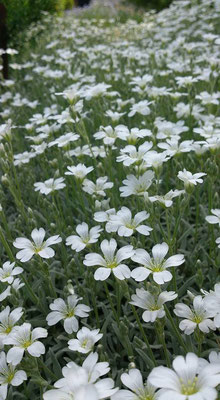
157 4
20 13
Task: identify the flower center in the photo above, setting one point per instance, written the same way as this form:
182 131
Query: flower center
129 226
70 314
190 387
84 343
8 329
112 264
197 318
86 240
6 275
154 307
156 267
146 394
38 249
141 189
27 344
10 377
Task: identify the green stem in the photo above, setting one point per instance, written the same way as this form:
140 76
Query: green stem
177 334
5 245
144 336
111 302
33 296
46 369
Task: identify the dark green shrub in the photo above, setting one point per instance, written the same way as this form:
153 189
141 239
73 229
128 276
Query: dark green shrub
20 13
156 4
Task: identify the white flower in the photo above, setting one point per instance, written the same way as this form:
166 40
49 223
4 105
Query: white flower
79 171
85 340
111 261
168 129
131 155
212 304
5 293
167 199
214 358
98 188
8 272
218 242
173 146
155 160
67 311
114 115
198 316
23 158
8 373
64 140
141 81
97 90
125 225
207 131
22 338
102 204
138 390
190 179
156 265
85 238
215 218
83 383
186 382
5 130
108 134
184 110
71 94
140 108
63 118
131 135
38 246
8 320
17 284
40 148
208 98
104 216
50 185
185 80
137 186
152 304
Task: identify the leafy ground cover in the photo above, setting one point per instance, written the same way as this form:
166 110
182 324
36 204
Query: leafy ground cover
110 215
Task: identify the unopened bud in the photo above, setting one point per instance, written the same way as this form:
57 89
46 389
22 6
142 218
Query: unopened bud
131 365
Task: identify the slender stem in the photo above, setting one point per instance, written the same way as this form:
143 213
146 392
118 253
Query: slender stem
111 302
33 296
161 335
48 277
6 245
144 336
178 335
46 369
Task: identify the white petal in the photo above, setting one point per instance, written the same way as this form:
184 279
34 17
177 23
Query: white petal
36 349
159 251
122 271
140 274
47 252
14 355
101 274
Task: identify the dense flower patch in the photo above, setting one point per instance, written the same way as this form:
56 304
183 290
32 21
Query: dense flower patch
110 213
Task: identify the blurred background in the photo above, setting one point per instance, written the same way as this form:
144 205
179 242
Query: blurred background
20 13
